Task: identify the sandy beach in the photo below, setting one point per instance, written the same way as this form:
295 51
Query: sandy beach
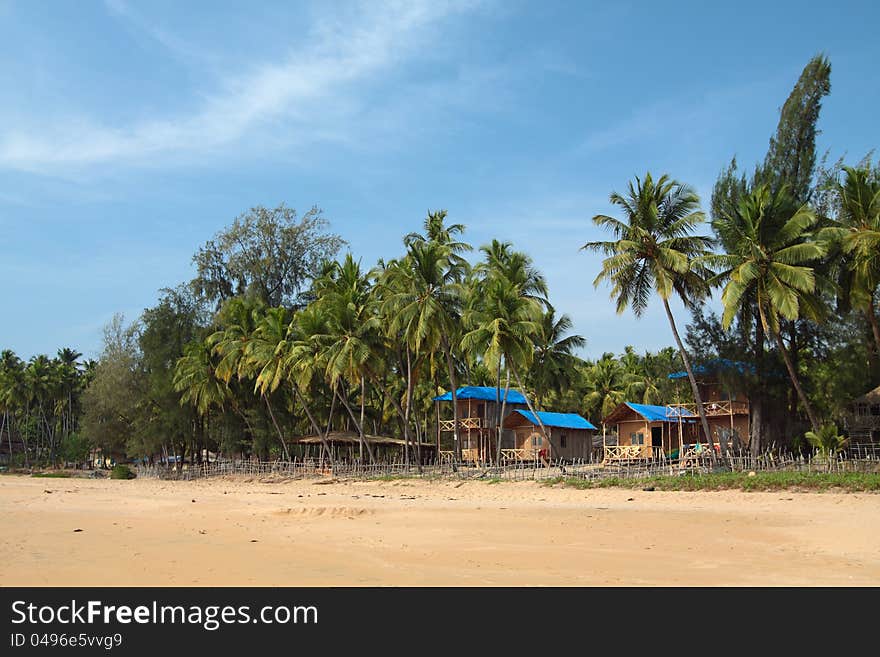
234 532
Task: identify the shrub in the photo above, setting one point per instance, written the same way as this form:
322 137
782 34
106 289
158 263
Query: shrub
122 472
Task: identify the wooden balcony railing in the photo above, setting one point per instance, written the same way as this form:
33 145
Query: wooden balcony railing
712 409
463 423
626 452
517 454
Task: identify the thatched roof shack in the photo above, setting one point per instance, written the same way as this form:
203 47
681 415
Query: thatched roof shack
348 443
353 438
870 397
862 419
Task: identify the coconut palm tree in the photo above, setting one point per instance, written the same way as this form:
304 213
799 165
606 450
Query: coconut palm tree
857 229
769 263
607 384
12 393
423 300
353 335
504 319
305 361
654 252
827 442
195 377
554 364
266 354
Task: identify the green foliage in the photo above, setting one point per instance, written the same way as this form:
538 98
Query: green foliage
762 481
826 441
75 449
791 157
122 472
111 402
269 253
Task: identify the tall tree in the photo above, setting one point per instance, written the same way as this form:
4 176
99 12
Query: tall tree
769 261
503 319
555 365
655 251
791 157
790 160
425 304
268 253
857 228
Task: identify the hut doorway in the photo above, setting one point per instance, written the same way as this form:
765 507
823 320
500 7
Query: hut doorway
656 436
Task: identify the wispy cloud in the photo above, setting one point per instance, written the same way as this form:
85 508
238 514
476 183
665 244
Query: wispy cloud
691 116
294 92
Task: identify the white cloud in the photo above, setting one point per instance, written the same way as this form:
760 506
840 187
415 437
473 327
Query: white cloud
296 91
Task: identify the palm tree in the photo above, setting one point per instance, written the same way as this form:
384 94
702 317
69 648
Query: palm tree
858 230
423 300
554 363
70 375
768 264
654 252
12 393
504 317
827 442
607 384
195 377
266 353
305 361
353 333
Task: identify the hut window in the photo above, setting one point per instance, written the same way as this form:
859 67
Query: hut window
562 440
636 439
536 440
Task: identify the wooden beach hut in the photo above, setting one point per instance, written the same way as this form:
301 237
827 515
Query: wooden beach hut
647 431
569 432
720 382
478 411
862 418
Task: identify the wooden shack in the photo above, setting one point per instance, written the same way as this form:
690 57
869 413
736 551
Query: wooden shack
479 408
346 445
571 434
727 409
649 431
862 418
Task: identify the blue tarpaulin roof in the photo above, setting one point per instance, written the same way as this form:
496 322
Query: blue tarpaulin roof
716 365
484 393
659 413
561 420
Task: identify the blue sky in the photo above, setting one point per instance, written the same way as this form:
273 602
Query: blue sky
131 132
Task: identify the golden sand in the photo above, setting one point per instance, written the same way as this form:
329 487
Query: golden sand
407 532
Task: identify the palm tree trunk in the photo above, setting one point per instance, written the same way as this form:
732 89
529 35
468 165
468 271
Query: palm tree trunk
315 427
330 414
797 384
397 407
363 406
503 408
408 409
697 399
359 426
757 404
277 428
875 327
532 409
450 365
